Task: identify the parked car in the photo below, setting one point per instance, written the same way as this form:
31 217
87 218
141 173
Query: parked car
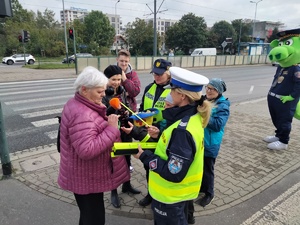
18 58
80 55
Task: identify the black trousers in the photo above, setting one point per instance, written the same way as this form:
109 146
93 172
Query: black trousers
282 116
91 207
208 179
169 214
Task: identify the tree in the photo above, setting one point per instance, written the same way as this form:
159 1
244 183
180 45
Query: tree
273 36
46 19
222 30
98 32
140 35
244 28
190 32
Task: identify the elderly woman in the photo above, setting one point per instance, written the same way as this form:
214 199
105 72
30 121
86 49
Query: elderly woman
86 139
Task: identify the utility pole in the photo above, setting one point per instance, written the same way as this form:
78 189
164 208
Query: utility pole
66 40
155 33
239 47
116 27
154 26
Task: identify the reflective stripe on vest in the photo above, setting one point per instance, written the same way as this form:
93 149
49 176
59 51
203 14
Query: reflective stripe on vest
168 192
159 104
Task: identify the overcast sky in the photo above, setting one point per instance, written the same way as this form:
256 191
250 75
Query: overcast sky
287 12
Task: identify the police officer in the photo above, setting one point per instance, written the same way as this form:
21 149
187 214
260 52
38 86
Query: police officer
284 93
154 97
176 166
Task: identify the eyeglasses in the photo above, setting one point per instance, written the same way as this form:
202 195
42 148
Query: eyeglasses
210 89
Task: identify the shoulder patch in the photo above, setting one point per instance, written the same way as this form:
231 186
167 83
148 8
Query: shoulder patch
175 164
153 164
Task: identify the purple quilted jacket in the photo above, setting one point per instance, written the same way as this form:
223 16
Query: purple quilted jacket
86 141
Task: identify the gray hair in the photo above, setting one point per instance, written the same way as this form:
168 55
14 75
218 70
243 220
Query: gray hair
90 77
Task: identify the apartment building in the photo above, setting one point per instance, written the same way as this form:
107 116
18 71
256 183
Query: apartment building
162 25
72 14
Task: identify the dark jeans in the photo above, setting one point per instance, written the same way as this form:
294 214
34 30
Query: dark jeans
91 207
207 185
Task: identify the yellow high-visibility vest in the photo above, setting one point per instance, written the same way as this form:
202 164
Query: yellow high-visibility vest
159 104
169 192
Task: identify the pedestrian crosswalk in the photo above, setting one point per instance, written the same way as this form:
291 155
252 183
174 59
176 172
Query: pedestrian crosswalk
30 109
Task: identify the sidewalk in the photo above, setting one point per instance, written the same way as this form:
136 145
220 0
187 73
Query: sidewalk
244 168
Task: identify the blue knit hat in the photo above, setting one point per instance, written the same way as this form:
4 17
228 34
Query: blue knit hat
218 84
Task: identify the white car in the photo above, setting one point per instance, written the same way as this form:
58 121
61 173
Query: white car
18 58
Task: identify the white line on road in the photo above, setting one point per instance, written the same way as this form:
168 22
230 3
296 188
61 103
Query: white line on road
36 81
52 134
37 107
47 122
35 91
251 89
41 113
38 99
283 210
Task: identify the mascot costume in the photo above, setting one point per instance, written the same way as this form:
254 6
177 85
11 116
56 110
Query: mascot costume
284 93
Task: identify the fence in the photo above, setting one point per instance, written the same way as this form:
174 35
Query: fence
146 62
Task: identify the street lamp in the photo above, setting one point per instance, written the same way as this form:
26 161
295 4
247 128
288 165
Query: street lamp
254 16
116 27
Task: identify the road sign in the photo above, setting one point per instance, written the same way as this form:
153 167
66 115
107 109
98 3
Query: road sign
224 43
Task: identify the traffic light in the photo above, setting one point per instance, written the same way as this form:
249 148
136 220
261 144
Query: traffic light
71 34
26 35
20 38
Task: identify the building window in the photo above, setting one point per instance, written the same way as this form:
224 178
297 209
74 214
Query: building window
158 22
113 19
162 23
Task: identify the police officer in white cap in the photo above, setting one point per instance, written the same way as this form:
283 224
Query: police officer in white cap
176 166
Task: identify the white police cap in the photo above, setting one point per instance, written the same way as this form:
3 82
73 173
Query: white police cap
187 80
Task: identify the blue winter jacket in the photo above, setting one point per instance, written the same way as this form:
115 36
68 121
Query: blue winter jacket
213 133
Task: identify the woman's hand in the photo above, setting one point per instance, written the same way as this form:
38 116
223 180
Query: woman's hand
153 131
113 120
129 129
137 156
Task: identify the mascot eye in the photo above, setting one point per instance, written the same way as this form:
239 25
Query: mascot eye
280 43
288 42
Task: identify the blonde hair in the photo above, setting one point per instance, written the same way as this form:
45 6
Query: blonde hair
204 110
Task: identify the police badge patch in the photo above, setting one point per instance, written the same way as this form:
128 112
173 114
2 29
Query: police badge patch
297 74
153 164
175 165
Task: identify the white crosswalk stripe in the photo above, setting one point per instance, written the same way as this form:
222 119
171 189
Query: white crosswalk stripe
46 122
52 134
42 113
37 100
